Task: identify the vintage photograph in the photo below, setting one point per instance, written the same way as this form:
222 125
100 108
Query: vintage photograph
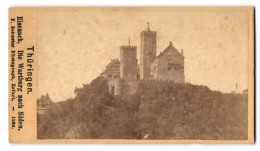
142 74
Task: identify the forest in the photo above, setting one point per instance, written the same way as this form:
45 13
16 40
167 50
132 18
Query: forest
158 110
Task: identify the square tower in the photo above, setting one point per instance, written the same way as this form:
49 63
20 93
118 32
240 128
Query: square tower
147 52
128 63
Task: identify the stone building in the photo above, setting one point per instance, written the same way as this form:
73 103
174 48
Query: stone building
127 83
169 65
147 52
128 63
124 75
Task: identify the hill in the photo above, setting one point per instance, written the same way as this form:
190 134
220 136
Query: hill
158 110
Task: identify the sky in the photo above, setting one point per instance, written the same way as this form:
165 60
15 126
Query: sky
74 47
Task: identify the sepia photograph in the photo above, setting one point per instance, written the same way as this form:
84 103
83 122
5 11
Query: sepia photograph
143 74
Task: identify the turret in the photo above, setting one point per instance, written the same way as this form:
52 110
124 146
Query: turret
147 52
128 63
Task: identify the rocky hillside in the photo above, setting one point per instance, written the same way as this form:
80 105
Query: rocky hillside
158 110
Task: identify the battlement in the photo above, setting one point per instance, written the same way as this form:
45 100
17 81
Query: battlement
161 80
128 47
148 33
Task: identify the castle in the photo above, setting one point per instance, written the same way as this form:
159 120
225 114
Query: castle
124 75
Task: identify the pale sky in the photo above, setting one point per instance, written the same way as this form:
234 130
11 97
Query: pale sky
74 47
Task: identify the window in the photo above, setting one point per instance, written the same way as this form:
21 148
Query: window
170 65
174 66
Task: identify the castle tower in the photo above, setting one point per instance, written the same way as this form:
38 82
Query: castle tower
128 62
148 52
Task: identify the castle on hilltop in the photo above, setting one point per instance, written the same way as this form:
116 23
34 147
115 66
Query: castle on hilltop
124 75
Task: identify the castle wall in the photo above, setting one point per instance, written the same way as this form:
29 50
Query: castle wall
131 86
122 87
113 87
164 73
147 52
128 63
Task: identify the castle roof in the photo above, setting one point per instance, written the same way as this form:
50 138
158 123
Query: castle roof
110 64
148 32
169 48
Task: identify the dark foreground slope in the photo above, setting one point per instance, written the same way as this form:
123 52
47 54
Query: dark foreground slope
158 110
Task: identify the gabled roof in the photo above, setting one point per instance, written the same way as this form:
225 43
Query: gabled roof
111 64
169 48
44 100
